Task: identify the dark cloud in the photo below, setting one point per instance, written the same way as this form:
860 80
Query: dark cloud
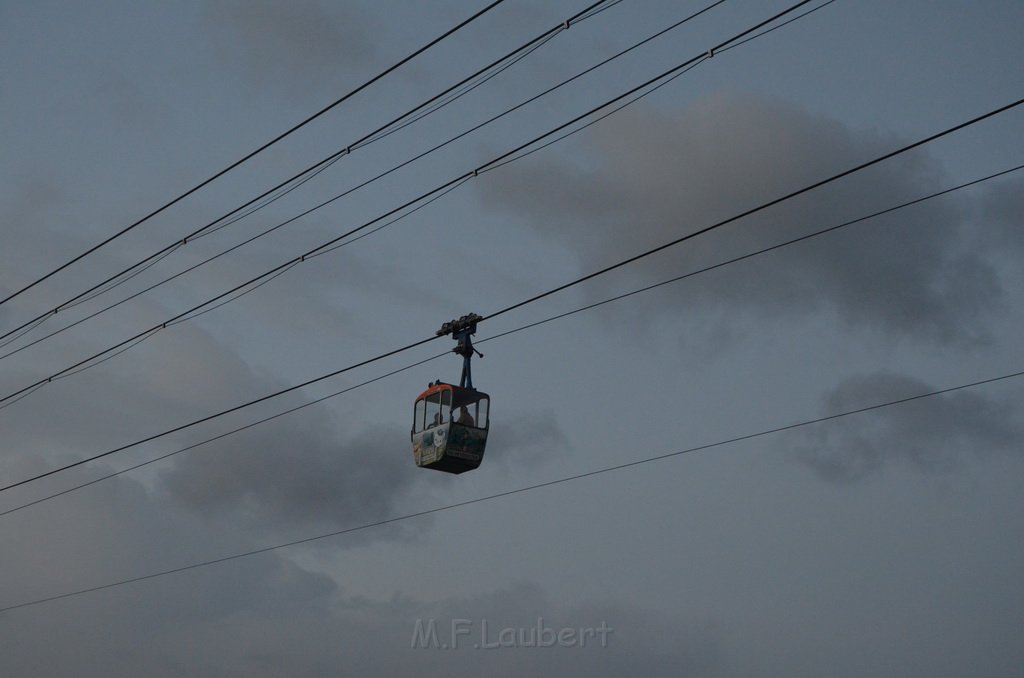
118 530
163 382
313 472
267 614
524 440
1003 213
298 40
303 473
931 435
646 177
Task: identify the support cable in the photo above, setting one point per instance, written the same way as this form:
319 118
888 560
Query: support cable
252 154
759 208
508 493
315 169
559 316
442 188
349 191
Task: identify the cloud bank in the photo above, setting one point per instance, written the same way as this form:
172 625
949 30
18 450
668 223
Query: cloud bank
931 435
646 177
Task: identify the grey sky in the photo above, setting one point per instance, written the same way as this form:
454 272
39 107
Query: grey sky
882 544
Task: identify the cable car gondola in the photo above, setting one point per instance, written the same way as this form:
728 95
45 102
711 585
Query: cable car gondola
450 423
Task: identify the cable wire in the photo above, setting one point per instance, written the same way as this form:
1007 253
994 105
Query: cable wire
210 417
672 72
262 148
315 168
661 84
532 325
777 27
527 301
376 178
759 208
217 301
519 490
221 436
522 328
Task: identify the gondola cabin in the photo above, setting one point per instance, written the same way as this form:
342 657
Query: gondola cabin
449 428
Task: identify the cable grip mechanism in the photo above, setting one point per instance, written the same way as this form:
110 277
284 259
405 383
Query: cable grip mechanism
462 329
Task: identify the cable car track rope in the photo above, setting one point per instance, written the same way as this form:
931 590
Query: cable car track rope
509 332
17 395
259 150
35 322
483 168
520 490
558 316
129 272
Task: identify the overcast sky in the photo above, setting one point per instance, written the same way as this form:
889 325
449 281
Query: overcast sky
888 543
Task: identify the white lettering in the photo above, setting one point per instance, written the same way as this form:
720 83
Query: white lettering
460 627
507 637
545 635
483 637
604 630
424 637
